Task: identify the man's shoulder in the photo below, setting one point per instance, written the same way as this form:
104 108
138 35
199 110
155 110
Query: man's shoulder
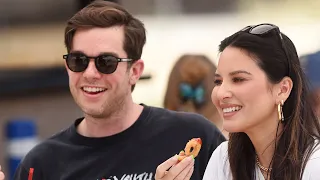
178 115
186 118
187 122
45 148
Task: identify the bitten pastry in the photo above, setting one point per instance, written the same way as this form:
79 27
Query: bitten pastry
192 148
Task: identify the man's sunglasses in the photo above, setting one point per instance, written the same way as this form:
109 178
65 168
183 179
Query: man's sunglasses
263 29
105 64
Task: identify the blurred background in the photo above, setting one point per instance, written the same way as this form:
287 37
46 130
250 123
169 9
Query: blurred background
34 84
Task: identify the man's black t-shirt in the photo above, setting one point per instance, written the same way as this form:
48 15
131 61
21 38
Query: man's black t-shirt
132 154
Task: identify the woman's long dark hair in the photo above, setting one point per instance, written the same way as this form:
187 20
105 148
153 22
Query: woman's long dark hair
301 126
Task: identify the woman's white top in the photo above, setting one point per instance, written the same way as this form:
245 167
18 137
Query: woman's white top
218 167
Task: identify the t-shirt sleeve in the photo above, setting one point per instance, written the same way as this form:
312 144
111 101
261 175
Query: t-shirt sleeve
22 173
30 164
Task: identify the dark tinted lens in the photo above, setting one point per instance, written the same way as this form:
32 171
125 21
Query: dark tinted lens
107 64
77 62
262 29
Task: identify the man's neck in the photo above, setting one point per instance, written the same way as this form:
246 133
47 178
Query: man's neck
116 123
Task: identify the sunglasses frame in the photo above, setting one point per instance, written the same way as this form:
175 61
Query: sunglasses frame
250 29
96 62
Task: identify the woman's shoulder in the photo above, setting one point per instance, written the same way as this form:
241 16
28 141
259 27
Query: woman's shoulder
218 166
315 154
222 149
312 167
221 152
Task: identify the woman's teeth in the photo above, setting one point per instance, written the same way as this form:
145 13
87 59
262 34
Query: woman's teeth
231 109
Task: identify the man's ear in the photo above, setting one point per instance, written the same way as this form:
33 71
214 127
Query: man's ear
284 88
136 71
66 66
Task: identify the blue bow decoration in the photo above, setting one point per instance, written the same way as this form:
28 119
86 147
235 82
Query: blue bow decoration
196 94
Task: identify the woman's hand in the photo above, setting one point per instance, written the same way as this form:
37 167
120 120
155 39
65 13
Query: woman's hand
170 169
1 174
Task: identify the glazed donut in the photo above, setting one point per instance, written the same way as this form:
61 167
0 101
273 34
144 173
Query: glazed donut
192 148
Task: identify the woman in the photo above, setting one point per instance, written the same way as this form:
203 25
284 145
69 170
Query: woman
190 85
262 95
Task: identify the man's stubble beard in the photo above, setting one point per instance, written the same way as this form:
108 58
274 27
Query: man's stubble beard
112 107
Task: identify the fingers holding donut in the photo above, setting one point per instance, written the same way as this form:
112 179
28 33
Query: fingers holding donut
180 167
181 170
170 170
161 170
181 156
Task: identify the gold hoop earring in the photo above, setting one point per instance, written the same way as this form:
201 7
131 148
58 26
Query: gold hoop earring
280 112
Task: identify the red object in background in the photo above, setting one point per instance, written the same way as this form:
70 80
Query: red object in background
31 170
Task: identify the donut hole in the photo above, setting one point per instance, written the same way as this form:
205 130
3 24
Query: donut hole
191 149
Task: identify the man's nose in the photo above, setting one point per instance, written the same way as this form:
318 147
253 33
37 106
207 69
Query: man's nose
92 72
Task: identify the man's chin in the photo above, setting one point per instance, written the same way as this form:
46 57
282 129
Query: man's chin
94 113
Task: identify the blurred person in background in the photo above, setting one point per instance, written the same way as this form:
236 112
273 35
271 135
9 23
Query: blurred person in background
311 64
190 85
261 93
117 138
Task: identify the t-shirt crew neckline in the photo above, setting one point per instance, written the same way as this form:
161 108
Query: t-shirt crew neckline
78 139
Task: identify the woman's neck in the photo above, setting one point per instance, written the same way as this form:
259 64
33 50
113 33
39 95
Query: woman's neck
263 139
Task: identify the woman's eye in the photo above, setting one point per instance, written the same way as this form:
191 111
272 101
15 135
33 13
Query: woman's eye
236 79
217 82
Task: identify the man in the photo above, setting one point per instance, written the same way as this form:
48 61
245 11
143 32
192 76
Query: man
116 138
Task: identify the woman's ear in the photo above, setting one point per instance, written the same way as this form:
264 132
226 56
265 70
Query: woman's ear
284 88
